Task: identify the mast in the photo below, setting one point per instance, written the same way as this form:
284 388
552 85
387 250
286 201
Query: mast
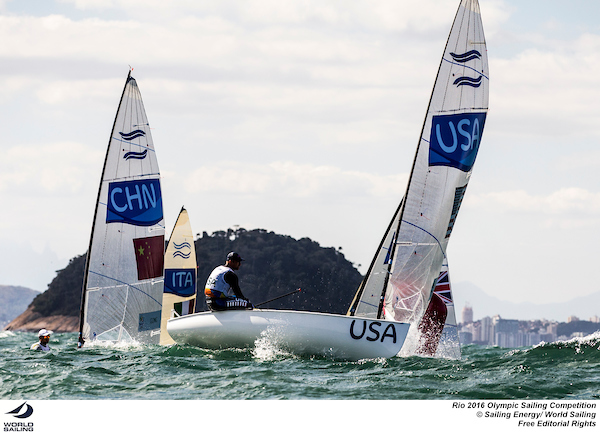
87 258
359 292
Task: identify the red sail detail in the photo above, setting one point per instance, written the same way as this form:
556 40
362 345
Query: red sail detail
431 326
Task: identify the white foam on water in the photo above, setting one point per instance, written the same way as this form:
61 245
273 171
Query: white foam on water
268 345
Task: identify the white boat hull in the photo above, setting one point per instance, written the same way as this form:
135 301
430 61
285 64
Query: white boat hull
298 332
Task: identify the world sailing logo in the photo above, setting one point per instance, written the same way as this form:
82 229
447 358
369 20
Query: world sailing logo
136 202
455 139
26 414
133 134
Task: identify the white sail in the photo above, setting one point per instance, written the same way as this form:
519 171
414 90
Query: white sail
367 299
123 281
179 296
442 167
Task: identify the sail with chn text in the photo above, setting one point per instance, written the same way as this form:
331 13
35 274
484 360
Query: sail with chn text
446 153
179 296
123 280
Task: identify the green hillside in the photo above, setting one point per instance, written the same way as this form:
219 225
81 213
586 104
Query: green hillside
274 265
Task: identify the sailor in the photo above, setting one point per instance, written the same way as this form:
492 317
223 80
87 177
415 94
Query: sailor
222 288
42 345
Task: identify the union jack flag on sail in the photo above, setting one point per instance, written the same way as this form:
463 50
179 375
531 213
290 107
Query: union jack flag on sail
442 288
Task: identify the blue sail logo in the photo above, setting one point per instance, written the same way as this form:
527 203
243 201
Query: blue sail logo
133 134
179 253
181 282
135 155
455 140
136 202
473 82
466 57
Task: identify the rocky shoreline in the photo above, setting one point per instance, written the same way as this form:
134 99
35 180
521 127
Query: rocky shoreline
30 321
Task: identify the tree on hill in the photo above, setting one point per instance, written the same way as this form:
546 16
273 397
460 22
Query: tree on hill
274 265
585 327
63 296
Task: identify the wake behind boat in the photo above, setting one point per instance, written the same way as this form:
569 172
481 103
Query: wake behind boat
398 289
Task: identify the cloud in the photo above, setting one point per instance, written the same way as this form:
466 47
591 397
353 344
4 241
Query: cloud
568 202
385 15
288 179
57 168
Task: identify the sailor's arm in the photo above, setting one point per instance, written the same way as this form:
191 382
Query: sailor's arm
233 281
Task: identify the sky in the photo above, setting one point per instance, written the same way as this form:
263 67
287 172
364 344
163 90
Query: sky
302 117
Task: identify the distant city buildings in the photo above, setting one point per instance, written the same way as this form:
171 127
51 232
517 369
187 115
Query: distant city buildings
509 333
467 314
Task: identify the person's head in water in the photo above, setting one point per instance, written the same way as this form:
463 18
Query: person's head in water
234 260
44 336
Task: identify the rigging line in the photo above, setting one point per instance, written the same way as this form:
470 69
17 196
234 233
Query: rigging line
131 176
424 230
368 304
135 144
125 283
468 67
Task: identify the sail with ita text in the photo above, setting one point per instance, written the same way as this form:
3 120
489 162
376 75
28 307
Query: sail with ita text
179 296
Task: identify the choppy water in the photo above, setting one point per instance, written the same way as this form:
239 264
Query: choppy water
561 370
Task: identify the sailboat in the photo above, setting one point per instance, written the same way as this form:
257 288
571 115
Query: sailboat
123 280
399 284
179 296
